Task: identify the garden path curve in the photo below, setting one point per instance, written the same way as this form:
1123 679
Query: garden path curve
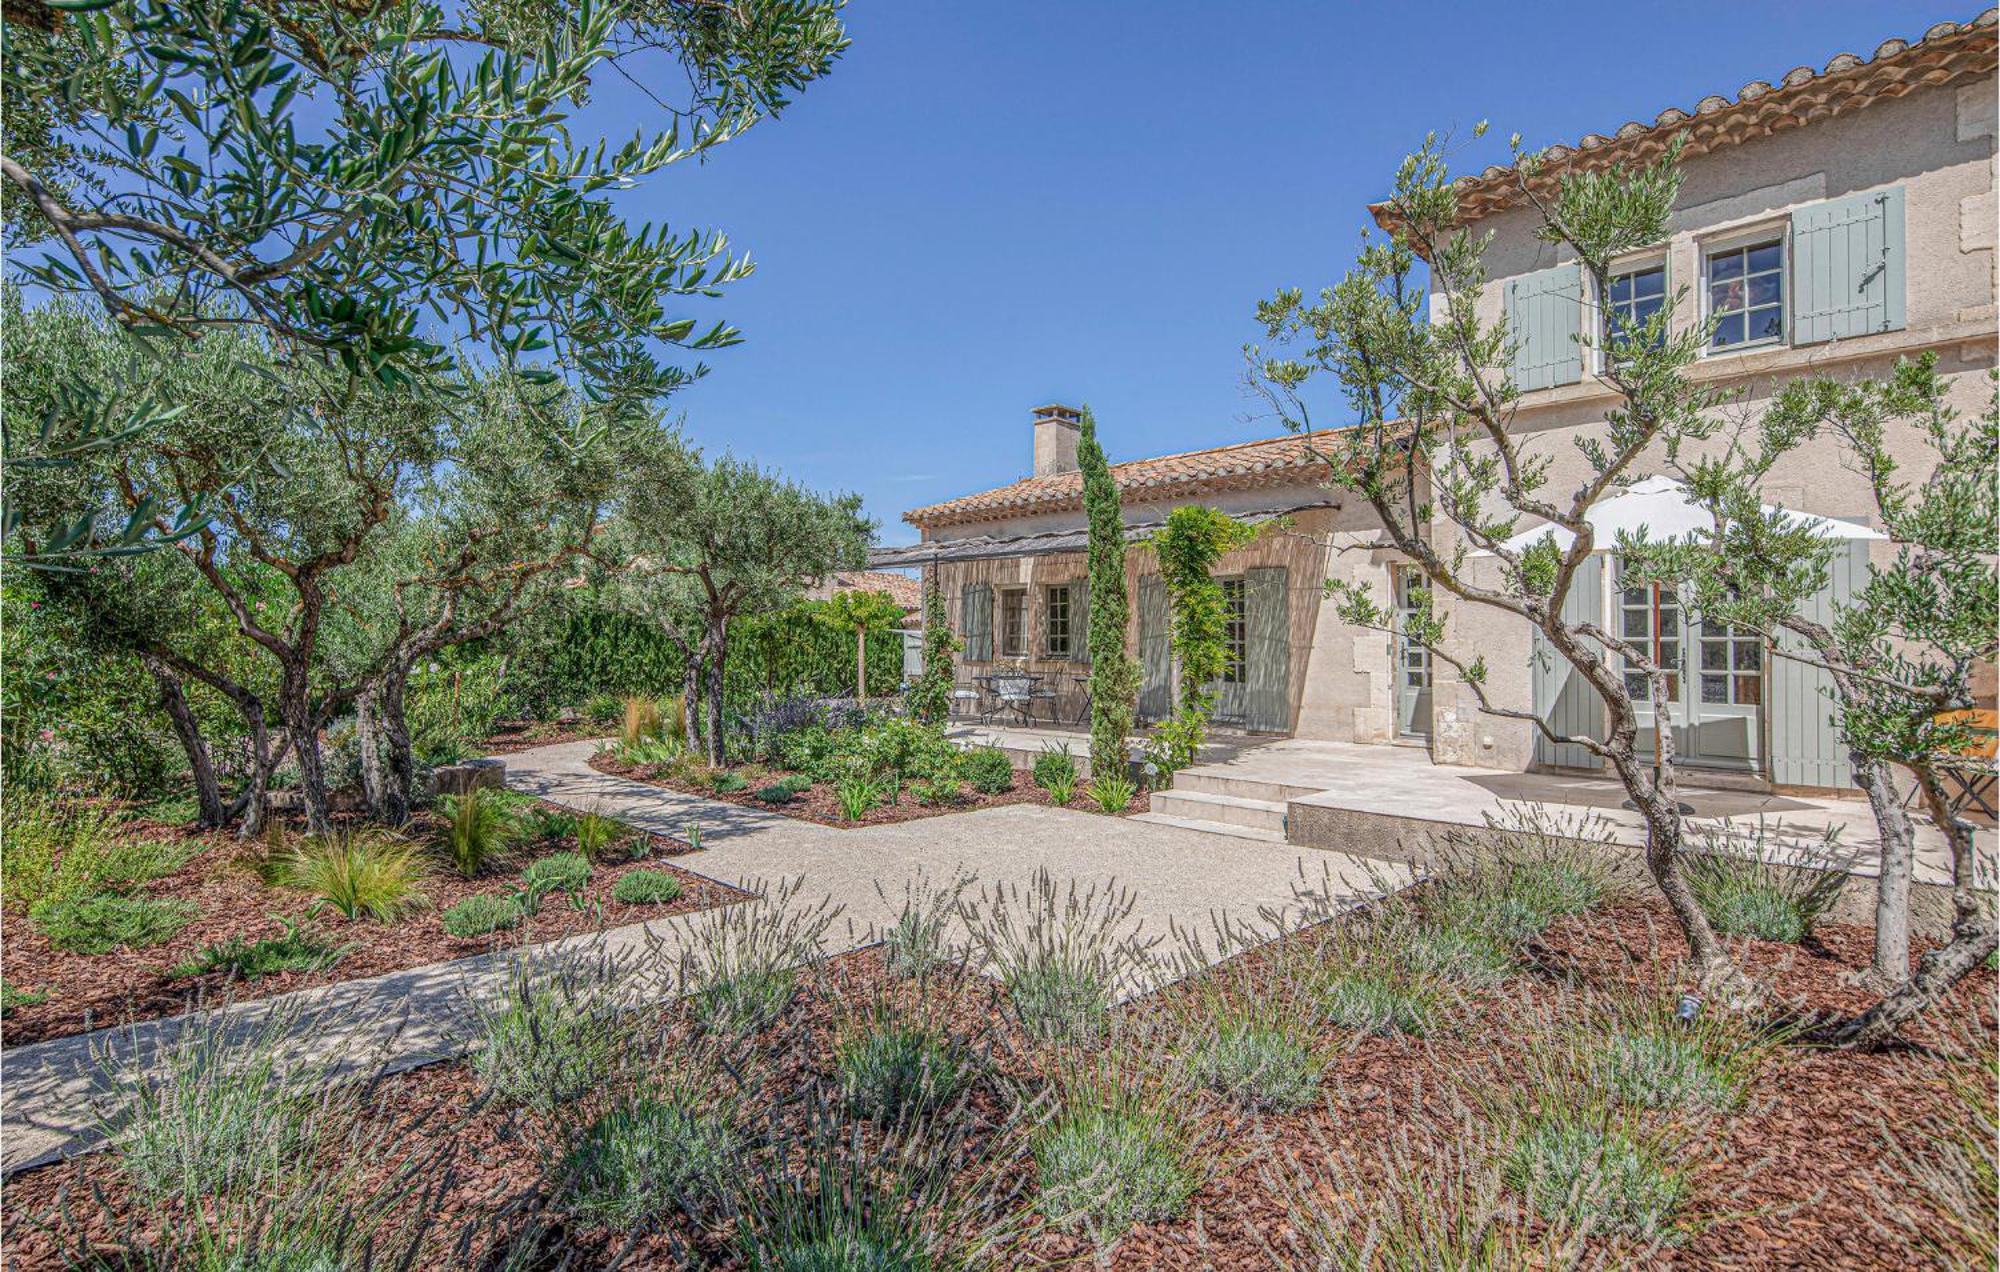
1182 881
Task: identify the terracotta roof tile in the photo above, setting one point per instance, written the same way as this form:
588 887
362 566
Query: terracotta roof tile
1946 53
902 589
1240 466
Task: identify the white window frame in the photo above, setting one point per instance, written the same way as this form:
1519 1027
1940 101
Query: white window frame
1758 235
1654 258
1048 624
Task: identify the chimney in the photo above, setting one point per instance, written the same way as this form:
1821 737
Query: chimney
1056 431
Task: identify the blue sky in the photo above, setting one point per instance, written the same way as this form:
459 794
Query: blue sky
988 207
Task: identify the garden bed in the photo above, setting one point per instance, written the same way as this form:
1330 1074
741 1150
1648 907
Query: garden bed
510 736
1808 1172
79 992
819 802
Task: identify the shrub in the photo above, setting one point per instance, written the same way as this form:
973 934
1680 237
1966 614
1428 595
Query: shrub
596 834
1647 1057
856 796
941 792
652 752
1260 1064
1108 1161
1746 896
1059 953
53 851
775 795
1469 954
737 964
889 1070
647 887
356 873
549 1041
727 782
543 824
646 1156
602 708
1572 1167
477 916
915 945
796 783
1055 765
1061 789
1512 879
12 998
296 951
478 831
1376 1002
988 769
1112 791
100 924
558 872
837 1215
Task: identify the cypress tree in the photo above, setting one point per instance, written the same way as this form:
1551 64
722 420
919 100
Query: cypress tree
1114 674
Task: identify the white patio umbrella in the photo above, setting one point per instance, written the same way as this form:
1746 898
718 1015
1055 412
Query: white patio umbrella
1660 507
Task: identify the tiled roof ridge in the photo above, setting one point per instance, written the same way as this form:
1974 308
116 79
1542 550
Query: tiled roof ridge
1150 478
1756 109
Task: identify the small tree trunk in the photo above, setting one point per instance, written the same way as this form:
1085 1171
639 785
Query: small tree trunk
366 742
303 731
1892 889
718 642
1973 934
173 700
691 699
399 757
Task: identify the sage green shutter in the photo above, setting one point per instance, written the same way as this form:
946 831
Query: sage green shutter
1847 267
1268 655
1806 746
1562 696
1079 620
977 608
1156 691
1544 319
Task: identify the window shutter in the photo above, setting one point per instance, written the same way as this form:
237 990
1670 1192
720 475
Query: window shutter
1806 745
1847 267
1544 321
977 607
1268 655
1156 691
1561 695
1079 619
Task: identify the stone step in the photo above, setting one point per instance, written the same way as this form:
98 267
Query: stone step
1215 781
1231 829
1235 810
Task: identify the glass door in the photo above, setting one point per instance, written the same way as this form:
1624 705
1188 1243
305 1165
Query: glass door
1413 661
1717 710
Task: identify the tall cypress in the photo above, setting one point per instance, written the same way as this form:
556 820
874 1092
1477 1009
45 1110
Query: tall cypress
1114 674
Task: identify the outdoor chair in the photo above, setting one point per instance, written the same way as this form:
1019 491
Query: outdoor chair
966 702
1015 693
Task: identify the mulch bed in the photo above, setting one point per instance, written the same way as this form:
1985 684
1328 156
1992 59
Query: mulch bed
819 803
1797 1179
510 736
91 991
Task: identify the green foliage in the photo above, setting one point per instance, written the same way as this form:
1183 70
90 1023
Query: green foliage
745 1002
358 874
943 792
1111 1159
602 708
1263 1065
728 781
647 887
1574 1167
857 795
930 696
1508 882
647 1155
890 1070
775 794
549 1042
479 830
1055 765
1112 791
1114 673
453 703
102 923
642 722
543 824
12 998
1376 1002
58 851
297 950
597 834
557 872
1059 952
915 945
1188 546
1748 896
479 915
860 613
988 769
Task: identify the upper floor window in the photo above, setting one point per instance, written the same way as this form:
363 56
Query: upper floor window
1746 295
1014 622
1058 640
1631 300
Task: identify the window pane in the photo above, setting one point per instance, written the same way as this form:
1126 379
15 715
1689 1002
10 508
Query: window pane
1769 256
1766 324
1650 282
1749 691
1728 332
1714 655
1635 596
1646 306
1726 265
1749 656
1621 287
1723 297
1635 685
1764 289
1715 689
1637 622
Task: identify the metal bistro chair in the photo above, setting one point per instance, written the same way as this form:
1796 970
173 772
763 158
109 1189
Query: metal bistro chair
1014 691
967 701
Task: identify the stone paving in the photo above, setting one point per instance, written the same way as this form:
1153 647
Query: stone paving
1183 882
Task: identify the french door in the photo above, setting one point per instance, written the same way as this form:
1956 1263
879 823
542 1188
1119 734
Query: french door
1413 661
1714 681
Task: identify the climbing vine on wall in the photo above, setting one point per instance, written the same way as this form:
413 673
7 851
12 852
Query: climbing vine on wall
1188 546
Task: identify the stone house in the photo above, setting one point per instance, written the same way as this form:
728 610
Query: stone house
1831 222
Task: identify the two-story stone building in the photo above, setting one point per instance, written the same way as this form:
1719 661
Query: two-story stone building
1831 222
